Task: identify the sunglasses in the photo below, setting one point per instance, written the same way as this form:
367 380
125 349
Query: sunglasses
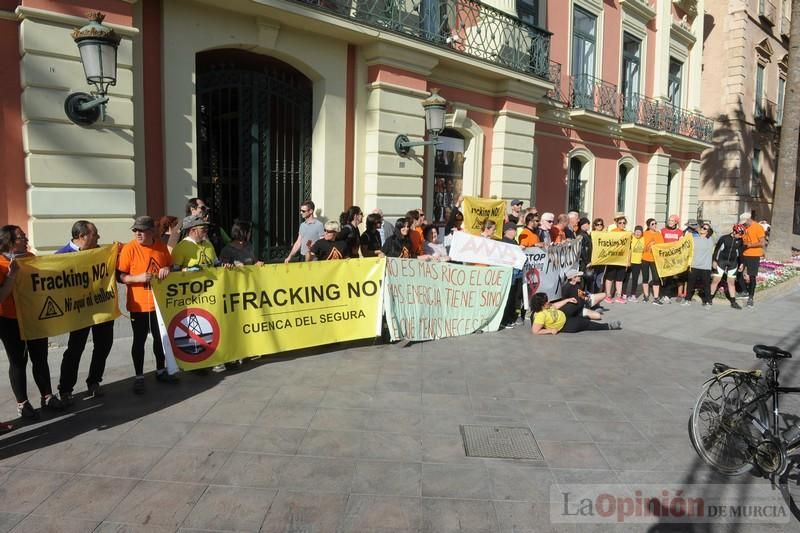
550 221
599 225
705 228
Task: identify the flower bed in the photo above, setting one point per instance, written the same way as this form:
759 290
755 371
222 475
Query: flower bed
771 273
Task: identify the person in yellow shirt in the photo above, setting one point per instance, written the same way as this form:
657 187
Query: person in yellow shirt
551 318
637 249
754 240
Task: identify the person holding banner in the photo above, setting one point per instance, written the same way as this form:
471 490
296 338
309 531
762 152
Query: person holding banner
637 247
84 237
239 252
371 241
399 244
433 250
414 234
349 232
548 318
195 251
615 274
140 260
529 236
651 236
13 245
328 248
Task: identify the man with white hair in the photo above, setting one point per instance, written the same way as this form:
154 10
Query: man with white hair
754 240
546 222
572 224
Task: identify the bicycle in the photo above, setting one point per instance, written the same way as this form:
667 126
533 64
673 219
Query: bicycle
732 430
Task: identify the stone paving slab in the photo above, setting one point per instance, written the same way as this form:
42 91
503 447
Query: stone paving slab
365 437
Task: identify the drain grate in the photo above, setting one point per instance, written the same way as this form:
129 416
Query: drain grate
499 442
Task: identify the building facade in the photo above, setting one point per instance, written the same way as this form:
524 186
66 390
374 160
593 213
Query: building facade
258 105
750 39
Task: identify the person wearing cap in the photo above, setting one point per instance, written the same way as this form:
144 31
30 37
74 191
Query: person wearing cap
586 300
140 260
632 277
726 262
328 248
311 230
754 240
516 211
615 274
514 293
700 269
84 237
551 318
216 235
194 251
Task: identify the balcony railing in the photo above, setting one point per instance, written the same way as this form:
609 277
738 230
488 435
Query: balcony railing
593 94
465 26
663 116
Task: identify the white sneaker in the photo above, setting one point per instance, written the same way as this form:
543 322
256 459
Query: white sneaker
666 300
632 298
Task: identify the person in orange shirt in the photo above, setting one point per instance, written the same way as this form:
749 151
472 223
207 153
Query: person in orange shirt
13 245
416 221
140 260
651 236
529 235
754 240
615 274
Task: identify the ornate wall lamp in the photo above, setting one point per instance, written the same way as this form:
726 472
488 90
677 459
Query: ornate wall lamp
435 109
97 44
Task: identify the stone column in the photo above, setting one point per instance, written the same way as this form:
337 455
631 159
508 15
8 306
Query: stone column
656 193
512 156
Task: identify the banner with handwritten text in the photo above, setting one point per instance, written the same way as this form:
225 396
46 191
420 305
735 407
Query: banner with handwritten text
546 268
426 300
611 248
476 210
59 293
471 249
674 257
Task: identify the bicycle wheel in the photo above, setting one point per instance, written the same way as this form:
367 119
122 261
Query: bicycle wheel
789 484
723 431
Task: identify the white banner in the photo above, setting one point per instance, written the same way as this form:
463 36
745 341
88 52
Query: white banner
546 268
472 249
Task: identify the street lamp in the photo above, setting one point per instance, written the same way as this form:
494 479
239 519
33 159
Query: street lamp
435 109
97 44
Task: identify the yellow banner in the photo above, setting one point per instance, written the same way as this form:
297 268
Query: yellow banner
611 248
59 293
477 210
673 258
218 315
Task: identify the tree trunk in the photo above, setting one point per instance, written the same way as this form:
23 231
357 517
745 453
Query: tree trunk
786 208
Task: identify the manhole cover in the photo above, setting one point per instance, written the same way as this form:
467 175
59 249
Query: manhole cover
500 442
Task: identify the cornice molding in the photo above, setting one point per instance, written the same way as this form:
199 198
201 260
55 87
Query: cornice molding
639 9
682 35
23 12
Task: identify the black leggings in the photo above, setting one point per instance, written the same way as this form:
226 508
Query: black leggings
575 324
18 351
648 268
704 276
142 324
102 338
751 265
633 277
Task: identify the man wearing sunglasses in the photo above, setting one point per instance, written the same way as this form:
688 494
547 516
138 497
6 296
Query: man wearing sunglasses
311 230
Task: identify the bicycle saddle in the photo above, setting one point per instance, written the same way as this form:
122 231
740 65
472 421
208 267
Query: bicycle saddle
763 351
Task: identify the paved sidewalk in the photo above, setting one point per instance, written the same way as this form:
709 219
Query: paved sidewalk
366 438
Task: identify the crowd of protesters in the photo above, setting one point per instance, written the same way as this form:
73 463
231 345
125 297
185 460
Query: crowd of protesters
195 242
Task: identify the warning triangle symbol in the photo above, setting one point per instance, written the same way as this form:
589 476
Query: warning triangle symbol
153 267
50 309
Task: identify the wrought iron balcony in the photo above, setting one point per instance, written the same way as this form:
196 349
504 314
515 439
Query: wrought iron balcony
465 26
663 116
593 94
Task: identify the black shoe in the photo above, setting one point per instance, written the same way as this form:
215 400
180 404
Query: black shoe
52 402
615 324
233 365
95 390
66 398
138 385
749 302
735 304
166 377
507 325
26 410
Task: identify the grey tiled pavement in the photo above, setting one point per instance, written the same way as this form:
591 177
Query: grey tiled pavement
366 437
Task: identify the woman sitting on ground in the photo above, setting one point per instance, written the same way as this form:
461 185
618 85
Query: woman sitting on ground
549 318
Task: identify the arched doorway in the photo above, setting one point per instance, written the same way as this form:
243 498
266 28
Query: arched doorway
580 182
254 144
